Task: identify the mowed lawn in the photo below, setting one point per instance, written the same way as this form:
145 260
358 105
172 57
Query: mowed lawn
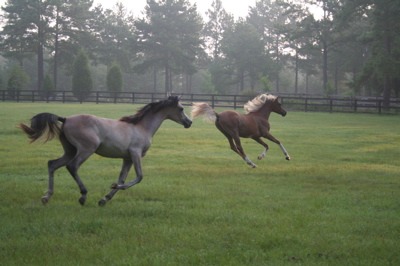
337 202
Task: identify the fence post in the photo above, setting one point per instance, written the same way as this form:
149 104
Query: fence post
305 104
355 105
330 105
212 101
379 106
234 102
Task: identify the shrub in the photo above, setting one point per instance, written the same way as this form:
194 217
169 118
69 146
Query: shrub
17 81
114 79
82 82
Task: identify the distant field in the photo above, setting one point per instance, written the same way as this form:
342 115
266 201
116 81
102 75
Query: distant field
335 203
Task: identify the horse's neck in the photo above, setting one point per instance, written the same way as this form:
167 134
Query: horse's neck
265 112
152 122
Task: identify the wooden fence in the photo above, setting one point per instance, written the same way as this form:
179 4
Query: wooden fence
305 103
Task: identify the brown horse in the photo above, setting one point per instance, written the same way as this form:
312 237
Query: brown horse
128 138
254 124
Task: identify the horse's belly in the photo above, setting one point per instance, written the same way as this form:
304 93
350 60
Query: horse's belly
112 152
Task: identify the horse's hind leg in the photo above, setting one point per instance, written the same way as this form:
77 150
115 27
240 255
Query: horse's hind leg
235 144
126 166
53 165
241 151
265 145
73 167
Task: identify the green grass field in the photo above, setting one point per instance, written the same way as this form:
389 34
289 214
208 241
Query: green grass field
336 202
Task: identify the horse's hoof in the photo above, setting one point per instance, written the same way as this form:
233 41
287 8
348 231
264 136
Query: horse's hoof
253 165
82 200
102 202
45 200
288 158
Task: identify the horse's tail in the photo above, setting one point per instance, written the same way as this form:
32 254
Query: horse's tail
205 110
43 124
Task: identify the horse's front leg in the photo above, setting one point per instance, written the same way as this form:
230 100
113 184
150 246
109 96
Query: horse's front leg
126 166
271 138
136 160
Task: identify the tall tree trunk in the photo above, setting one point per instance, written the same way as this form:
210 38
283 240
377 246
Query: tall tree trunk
277 82
296 81
325 65
167 80
388 54
56 43
241 79
336 79
278 64
154 79
41 39
386 91
40 60
307 81
188 83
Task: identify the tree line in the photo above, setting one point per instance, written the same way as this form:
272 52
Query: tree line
348 47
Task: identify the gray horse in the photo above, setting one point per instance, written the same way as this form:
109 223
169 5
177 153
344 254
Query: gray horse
82 135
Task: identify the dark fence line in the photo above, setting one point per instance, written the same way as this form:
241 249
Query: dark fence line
307 103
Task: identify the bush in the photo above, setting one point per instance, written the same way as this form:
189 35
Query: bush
114 79
82 82
17 80
48 85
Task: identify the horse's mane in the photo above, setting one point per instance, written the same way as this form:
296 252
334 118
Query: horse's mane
255 104
153 107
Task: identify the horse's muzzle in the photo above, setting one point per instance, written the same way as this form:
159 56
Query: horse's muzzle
284 113
187 123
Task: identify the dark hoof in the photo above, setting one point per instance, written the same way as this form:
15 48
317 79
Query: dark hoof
45 200
288 158
102 202
82 200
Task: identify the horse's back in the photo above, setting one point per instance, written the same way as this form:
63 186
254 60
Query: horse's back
229 118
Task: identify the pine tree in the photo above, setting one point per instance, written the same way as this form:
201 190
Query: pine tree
82 82
114 79
169 38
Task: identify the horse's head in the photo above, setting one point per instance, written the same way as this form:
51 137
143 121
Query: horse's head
176 112
277 107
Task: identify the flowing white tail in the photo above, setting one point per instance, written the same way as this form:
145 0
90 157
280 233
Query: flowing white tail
204 110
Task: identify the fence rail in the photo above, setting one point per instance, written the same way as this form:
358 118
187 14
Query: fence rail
307 103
